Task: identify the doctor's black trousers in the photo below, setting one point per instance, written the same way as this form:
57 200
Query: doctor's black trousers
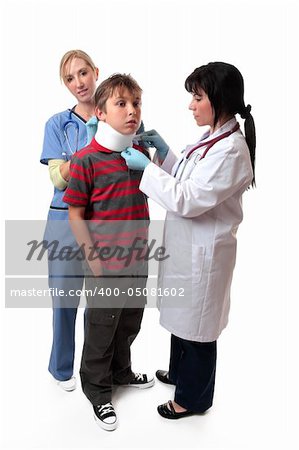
192 368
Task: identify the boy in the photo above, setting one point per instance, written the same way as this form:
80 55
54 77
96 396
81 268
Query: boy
104 192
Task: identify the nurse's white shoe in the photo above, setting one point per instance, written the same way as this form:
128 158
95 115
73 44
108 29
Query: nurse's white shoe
67 385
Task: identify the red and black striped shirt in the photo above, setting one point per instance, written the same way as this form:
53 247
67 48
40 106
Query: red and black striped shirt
101 182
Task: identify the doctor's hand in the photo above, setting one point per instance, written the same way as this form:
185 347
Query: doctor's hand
135 159
92 127
153 139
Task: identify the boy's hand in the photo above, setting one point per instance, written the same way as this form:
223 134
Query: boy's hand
96 267
153 139
135 159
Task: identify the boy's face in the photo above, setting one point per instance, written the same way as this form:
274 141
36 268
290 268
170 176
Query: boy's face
123 111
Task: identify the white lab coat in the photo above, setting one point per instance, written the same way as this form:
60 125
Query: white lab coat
204 209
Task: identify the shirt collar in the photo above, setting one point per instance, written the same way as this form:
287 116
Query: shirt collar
99 147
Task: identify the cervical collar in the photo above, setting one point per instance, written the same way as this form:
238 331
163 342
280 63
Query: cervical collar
109 138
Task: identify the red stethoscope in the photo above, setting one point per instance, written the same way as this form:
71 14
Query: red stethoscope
208 145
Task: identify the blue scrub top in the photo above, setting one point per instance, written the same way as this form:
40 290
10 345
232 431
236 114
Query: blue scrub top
61 141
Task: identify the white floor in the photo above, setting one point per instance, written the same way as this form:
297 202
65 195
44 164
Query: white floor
248 413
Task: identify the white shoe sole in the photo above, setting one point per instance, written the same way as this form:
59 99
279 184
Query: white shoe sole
68 385
141 386
104 425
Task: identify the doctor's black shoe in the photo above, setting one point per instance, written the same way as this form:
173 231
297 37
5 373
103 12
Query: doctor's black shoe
105 416
168 412
162 376
141 381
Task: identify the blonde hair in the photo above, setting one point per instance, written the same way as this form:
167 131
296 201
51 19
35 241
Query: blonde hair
69 56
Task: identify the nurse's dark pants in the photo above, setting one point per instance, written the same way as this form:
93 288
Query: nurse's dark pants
192 368
110 329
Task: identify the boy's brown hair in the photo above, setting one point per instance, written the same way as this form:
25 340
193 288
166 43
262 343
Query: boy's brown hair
115 82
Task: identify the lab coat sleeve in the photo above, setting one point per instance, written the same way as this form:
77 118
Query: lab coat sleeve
168 162
215 178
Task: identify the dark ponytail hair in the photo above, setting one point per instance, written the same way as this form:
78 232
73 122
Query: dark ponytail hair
224 86
249 128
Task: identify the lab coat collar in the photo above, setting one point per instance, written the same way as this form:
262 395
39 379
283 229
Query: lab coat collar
229 125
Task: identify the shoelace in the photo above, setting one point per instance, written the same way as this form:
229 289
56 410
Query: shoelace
104 409
138 376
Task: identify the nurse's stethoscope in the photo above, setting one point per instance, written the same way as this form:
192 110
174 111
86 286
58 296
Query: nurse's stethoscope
71 123
208 145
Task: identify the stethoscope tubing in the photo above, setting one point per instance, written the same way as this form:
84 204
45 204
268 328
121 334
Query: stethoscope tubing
208 144
66 125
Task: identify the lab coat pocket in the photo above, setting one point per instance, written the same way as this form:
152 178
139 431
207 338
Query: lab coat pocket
178 261
198 262
177 275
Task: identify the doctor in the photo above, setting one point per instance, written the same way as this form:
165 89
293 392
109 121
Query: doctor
65 133
202 193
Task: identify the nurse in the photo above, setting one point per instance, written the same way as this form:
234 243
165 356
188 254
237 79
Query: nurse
202 193
65 133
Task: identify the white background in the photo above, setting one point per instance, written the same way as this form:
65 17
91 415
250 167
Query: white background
160 42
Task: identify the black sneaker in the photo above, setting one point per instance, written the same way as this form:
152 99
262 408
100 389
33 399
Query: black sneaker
105 416
141 381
